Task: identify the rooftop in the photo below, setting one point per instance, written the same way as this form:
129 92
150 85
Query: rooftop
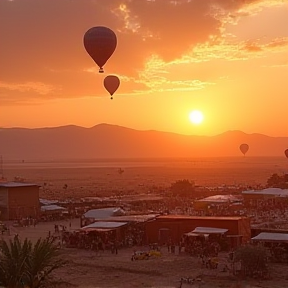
186 217
268 191
265 236
52 208
16 184
102 213
220 198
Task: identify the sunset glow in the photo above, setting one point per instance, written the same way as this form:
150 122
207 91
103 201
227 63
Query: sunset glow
196 117
229 58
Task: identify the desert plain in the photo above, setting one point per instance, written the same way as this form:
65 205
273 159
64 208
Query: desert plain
89 269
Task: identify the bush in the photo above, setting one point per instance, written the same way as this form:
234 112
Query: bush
253 260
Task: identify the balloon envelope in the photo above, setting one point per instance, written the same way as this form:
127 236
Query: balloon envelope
286 153
244 148
100 43
111 83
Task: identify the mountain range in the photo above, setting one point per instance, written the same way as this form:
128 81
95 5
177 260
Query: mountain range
112 141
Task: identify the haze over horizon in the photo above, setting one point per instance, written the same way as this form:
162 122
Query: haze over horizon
225 58
143 130
114 141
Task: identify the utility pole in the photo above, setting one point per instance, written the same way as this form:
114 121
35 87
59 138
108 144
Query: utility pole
1 169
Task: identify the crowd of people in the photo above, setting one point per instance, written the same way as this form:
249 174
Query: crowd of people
104 239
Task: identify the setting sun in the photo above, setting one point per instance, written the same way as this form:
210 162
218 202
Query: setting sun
196 117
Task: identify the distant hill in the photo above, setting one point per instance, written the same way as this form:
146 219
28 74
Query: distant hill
112 141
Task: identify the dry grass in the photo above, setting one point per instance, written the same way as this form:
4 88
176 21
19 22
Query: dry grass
88 269
102 179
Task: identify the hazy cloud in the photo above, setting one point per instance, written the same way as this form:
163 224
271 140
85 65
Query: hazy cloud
43 42
38 87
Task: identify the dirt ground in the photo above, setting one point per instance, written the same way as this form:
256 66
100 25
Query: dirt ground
89 269
86 269
102 178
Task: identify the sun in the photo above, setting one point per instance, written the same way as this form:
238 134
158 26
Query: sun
196 117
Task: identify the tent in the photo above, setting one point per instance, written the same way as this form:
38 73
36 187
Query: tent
102 213
52 209
271 237
118 212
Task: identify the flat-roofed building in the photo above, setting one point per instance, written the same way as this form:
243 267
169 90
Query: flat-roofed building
19 200
177 225
271 195
216 200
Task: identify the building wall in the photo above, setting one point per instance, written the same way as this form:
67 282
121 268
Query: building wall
23 202
3 203
244 229
180 225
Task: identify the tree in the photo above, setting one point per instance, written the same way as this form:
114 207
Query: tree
27 264
278 181
182 188
253 260
12 262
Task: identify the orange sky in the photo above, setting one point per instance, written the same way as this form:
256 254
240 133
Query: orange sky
227 58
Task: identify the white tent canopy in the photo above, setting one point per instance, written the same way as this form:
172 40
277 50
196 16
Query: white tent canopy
104 213
268 191
219 199
53 207
209 230
271 237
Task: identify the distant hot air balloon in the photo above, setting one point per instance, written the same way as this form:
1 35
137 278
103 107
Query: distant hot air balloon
100 43
244 148
286 153
111 83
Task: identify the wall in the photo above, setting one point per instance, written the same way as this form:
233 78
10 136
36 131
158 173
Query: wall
178 225
23 202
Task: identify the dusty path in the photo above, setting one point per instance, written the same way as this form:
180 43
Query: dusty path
87 269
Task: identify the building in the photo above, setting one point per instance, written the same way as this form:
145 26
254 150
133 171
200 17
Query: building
19 200
177 225
94 215
269 195
216 201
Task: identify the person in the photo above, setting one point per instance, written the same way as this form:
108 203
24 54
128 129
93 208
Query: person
59 245
169 245
173 248
112 246
116 246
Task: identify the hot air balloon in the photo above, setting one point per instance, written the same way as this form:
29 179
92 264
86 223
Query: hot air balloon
111 83
100 43
286 153
244 148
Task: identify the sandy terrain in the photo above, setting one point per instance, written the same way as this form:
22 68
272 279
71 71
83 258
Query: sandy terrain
90 269
102 178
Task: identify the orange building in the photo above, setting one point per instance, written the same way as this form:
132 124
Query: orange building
19 200
177 225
